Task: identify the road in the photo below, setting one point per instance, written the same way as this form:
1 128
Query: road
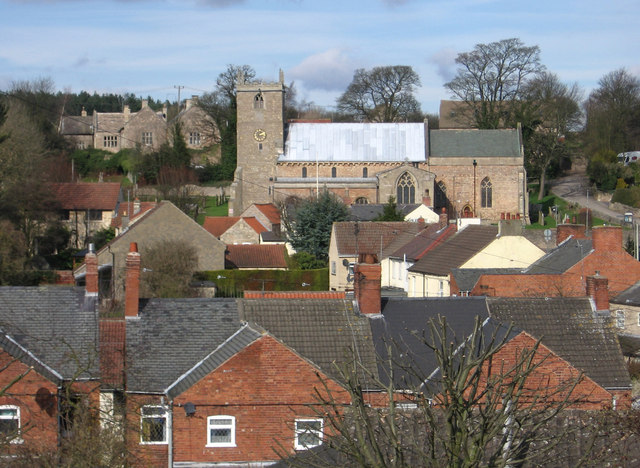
573 188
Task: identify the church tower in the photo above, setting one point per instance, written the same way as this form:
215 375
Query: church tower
260 127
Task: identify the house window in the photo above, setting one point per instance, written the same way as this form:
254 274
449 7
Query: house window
304 172
406 189
221 431
110 141
334 172
153 425
620 318
10 423
365 172
362 201
486 193
147 138
441 289
308 433
194 138
258 101
94 215
333 268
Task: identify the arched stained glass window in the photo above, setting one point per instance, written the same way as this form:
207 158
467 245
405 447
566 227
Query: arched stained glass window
486 193
406 189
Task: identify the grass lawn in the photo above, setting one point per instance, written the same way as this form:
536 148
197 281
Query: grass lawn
562 206
211 209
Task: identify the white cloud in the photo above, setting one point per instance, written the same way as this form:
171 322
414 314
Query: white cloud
330 70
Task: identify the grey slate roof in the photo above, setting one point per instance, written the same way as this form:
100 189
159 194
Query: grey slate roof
53 328
395 142
630 296
569 328
236 342
466 278
404 325
371 211
456 250
474 143
77 125
415 248
324 331
171 336
560 259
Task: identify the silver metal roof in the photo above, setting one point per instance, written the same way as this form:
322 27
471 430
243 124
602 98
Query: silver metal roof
395 142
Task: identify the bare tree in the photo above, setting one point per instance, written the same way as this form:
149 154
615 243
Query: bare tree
168 268
482 407
382 94
491 77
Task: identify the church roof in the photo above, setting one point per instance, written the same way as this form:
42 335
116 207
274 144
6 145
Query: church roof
385 142
474 143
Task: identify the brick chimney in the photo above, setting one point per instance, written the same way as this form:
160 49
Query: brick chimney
607 238
564 231
426 200
367 275
598 290
132 282
443 220
91 274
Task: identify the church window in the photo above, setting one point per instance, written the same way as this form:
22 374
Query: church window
258 101
334 172
362 201
406 189
304 172
365 172
486 193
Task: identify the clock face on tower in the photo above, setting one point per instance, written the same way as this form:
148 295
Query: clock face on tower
260 135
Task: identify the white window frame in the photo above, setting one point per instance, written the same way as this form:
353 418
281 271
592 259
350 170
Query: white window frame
231 427
147 138
110 141
333 268
164 415
318 433
17 439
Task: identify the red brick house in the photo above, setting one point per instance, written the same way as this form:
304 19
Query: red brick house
563 271
48 350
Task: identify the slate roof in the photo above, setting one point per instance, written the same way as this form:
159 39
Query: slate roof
371 211
171 336
467 278
396 142
256 256
77 125
568 327
404 325
560 259
52 328
456 250
426 239
630 296
322 330
102 196
372 237
128 208
474 143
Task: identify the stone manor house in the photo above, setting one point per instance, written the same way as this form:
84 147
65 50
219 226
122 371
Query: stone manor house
470 172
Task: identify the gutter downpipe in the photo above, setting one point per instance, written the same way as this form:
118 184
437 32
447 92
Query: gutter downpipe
170 434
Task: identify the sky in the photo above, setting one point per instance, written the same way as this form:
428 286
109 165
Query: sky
150 48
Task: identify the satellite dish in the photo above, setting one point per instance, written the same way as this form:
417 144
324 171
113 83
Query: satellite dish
547 235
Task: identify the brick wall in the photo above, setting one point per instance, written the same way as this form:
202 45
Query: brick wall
553 381
37 399
265 386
